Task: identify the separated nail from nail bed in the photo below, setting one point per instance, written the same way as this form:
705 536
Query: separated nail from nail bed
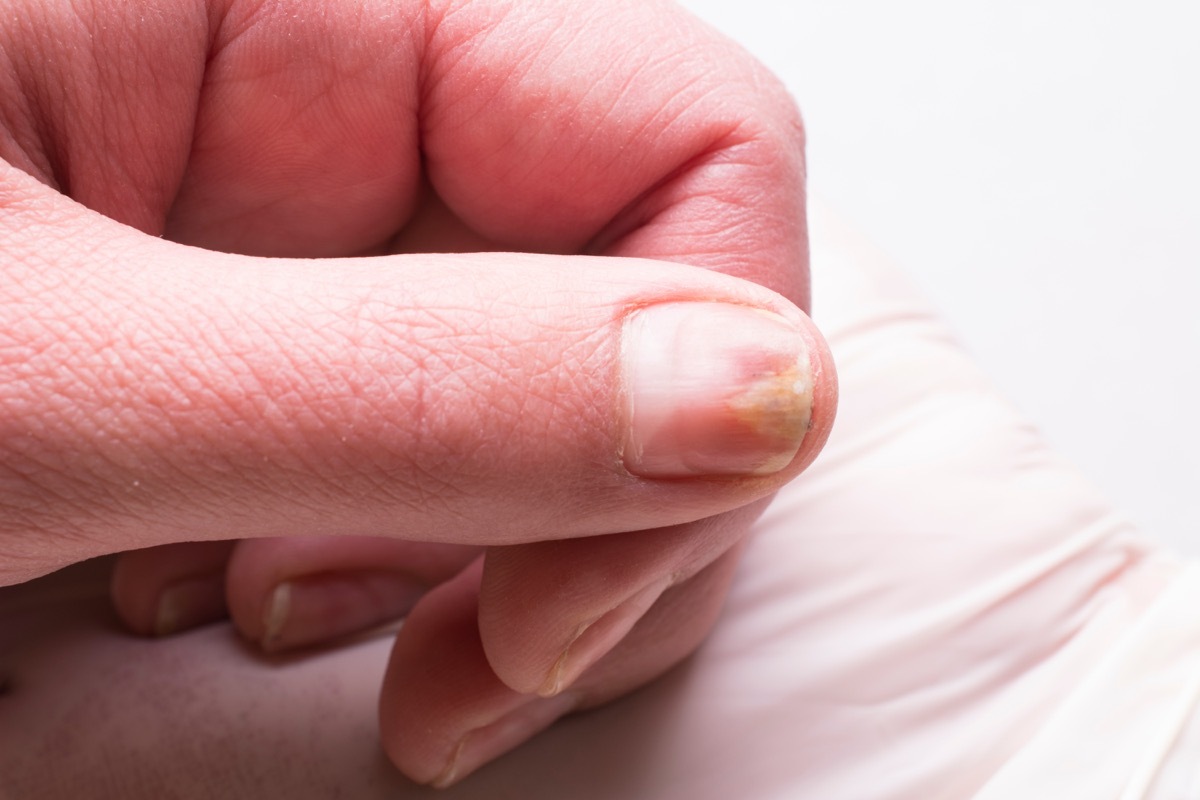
481 745
713 389
594 640
190 603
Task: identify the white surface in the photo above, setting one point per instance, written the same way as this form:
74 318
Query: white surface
1036 167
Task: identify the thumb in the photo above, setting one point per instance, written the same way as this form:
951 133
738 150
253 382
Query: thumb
154 393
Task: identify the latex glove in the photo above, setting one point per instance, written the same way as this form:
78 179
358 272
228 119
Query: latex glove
152 392
936 607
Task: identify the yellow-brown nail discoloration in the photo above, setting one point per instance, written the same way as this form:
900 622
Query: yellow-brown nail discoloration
714 389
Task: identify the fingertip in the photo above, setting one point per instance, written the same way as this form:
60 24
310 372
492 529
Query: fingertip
436 665
295 592
595 639
190 603
549 611
308 610
713 389
721 389
443 711
160 591
823 410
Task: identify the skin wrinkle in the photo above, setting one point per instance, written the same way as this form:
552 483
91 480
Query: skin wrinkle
229 24
34 507
273 413
438 20
446 129
722 253
349 471
295 133
39 93
486 357
249 370
629 88
62 122
543 61
38 381
642 210
18 142
733 146
440 60
536 90
137 188
296 424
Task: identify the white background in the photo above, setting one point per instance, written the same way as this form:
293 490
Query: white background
1035 166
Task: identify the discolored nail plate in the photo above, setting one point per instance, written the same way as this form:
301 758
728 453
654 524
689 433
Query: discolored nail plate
713 389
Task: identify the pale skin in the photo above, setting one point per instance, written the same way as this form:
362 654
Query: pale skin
179 372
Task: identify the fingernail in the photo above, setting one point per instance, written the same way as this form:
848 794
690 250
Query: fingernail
190 603
594 640
481 745
275 615
713 389
312 609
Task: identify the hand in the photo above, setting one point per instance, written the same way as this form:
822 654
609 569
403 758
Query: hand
188 389
907 621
